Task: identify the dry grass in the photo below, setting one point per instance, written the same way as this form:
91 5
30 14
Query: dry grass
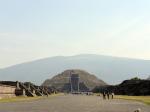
144 99
23 98
19 98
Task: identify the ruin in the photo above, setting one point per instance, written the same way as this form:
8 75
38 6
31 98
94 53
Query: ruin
11 89
74 80
74 83
7 91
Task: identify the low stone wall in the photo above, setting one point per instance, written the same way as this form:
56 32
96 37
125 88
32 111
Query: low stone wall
7 91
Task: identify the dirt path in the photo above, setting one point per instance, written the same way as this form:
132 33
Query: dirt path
73 103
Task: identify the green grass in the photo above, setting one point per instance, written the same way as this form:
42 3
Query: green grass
144 99
23 98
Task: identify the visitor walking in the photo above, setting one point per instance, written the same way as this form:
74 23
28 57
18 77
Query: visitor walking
112 95
108 95
104 95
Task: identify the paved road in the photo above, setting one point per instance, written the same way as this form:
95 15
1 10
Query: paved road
73 103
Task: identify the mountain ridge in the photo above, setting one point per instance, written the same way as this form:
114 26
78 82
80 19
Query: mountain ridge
107 68
78 55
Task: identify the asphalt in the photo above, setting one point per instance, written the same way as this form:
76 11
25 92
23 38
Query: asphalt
74 103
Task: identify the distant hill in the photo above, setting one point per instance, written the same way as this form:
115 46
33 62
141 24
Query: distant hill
148 78
62 80
113 70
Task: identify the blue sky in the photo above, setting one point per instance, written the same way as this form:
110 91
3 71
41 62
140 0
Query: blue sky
33 29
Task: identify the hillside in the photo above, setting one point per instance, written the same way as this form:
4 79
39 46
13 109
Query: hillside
132 87
61 80
113 70
148 78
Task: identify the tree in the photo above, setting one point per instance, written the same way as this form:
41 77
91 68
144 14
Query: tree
135 78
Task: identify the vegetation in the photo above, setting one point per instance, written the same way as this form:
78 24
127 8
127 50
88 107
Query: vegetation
144 99
135 78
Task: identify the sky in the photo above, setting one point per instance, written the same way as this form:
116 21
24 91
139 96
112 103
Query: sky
35 29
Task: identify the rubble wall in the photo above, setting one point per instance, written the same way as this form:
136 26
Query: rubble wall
7 91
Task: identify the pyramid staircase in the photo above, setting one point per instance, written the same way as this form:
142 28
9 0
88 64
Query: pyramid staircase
37 91
28 90
43 90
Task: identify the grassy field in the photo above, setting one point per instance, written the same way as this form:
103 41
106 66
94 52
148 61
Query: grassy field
22 98
144 99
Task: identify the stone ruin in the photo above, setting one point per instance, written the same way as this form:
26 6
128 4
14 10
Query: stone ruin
75 85
12 89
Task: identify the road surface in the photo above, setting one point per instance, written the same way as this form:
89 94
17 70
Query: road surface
73 103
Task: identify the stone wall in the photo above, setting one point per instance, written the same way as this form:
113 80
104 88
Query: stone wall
7 91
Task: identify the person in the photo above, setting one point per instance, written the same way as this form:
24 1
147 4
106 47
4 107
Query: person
108 95
104 95
112 95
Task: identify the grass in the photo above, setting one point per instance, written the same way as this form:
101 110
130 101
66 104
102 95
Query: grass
144 99
20 98
24 98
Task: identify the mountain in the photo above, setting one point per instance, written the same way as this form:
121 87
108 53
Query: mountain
61 81
148 78
112 70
